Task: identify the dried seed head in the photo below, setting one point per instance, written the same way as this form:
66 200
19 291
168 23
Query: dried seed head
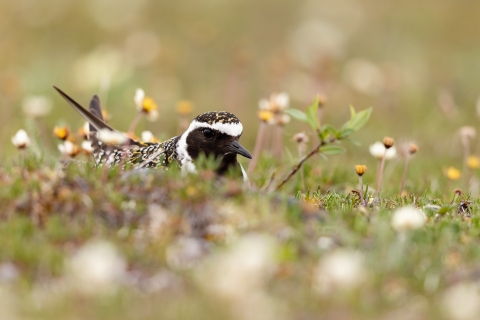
360 169
458 192
322 99
412 148
61 132
388 142
300 137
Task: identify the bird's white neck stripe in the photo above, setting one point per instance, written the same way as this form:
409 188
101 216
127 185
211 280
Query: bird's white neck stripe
232 129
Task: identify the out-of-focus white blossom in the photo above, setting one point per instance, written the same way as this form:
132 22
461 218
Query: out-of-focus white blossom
325 243
158 219
96 268
138 98
340 270
278 102
408 218
147 136
36 106
378 151
87 146
68 148
462 301
21 140
111 137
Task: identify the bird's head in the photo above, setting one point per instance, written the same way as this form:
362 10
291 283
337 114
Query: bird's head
212 133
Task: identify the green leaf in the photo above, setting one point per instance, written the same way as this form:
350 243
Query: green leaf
332 150
327 130
358 120
297 114
345 133
312 114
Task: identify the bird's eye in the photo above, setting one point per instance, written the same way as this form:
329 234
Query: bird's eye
207 133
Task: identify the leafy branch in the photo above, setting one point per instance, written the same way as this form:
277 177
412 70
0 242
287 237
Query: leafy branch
327 134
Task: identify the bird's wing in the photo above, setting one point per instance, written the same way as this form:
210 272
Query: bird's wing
94 120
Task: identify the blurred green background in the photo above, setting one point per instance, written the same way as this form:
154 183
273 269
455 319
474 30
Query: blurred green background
416 62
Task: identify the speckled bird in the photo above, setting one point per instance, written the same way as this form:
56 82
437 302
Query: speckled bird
212 133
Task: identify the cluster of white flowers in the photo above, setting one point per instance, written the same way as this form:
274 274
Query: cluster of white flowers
272 110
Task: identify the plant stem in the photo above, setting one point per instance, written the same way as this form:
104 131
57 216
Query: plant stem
404 177
258 147
380 174
134 123
278 142
300 163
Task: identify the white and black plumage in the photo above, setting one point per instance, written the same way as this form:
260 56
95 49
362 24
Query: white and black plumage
212 133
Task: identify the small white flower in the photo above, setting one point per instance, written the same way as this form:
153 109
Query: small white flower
97 267
21 139
147 136
340 270
87 146
36 106
138 98
378 151
86 128
68 148
462 301
111 137
153 115
408 218
277 102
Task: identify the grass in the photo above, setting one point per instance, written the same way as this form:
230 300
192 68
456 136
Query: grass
50 213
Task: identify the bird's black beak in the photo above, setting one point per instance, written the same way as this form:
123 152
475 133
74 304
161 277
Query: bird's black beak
239 149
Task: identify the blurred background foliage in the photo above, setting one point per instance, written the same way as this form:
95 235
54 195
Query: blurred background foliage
416 62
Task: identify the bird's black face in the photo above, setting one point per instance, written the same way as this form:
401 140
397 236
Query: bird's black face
213 142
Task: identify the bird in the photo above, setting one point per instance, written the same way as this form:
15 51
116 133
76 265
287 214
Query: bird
214 133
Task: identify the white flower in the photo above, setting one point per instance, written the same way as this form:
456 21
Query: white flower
21 139
138 98
462 301
408 218
378 151
68 148
36 106
86 128
153 115
243 270
87 146
97 267
111 137
147 136
277 102
340 270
